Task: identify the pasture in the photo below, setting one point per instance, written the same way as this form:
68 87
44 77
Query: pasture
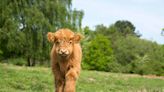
39 79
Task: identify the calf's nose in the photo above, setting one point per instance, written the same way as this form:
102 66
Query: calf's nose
63 51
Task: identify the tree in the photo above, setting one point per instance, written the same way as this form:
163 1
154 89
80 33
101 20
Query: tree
25 23
98 55
126 28
139 55
132 54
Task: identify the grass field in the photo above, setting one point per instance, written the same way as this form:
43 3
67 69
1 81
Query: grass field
39 79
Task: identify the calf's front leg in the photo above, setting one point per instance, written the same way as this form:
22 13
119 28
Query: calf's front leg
70 81
59 84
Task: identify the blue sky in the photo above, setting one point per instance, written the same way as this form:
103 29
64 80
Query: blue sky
146 15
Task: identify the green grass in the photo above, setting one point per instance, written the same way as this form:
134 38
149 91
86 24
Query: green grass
39 79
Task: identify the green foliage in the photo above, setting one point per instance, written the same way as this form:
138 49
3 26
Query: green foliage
99 54
117 48
132 54
143 56
140 65
38 79
25 23
15 61
125 27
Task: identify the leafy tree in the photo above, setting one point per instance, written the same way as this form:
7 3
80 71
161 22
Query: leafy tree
89 34
98 55
143 57
126 28
140 65
132 54
101 29
25 23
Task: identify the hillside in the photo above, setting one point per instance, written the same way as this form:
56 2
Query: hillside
39 79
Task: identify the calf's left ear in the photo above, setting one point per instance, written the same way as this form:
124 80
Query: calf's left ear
77 37
51 37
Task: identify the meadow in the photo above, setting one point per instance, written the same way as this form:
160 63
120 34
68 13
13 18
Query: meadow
40 79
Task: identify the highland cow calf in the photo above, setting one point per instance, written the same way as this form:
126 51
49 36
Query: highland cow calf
66 57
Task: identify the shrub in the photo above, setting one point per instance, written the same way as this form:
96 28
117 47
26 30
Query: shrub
16 61
98 55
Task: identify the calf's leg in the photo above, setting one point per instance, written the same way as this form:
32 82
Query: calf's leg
70 81
59 84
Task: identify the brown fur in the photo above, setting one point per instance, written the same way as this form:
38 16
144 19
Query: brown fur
66 69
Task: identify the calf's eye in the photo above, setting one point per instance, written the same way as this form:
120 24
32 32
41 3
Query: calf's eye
57 42
70 42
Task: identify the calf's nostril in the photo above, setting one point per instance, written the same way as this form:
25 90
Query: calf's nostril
63 51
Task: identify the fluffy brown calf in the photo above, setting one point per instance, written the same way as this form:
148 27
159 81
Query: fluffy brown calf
66 57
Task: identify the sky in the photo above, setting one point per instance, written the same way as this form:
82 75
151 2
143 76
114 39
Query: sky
146 15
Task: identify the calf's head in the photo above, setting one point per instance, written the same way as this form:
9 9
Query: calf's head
64 40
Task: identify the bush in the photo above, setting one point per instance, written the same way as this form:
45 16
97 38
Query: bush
16 61
98 55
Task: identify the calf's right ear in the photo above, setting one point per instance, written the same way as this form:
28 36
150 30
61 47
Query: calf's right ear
77 37
51 37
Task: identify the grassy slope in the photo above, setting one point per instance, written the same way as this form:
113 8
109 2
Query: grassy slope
25 79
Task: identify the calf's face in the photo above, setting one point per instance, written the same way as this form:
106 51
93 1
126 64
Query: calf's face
64 47
64 41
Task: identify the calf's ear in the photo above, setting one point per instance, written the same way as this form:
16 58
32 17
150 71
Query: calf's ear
77 37
51 37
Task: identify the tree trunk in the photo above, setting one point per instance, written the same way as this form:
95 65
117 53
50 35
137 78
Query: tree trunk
33 62
28 61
